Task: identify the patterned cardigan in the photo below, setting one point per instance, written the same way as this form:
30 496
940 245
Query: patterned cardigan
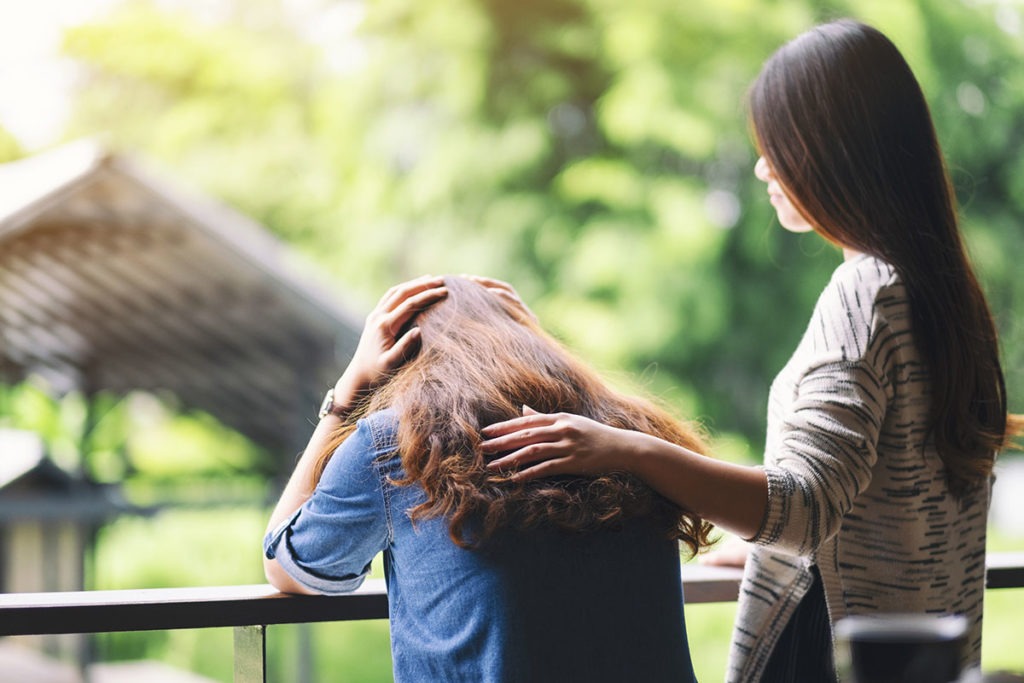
853 484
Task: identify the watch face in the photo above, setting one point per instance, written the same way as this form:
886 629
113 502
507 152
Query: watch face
328 403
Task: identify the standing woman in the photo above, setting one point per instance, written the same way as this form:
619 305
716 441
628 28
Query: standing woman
884 425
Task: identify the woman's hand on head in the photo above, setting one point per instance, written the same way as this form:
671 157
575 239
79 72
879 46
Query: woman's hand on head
504 290
387 340
543 445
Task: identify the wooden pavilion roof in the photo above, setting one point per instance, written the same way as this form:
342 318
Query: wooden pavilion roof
112 278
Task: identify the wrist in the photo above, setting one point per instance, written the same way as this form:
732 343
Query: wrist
640 452
331 406
350 386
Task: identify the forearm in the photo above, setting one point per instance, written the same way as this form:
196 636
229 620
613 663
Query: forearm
377 355
733 497
296 492
300 484
543 445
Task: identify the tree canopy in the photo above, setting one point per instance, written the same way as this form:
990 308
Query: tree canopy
595 154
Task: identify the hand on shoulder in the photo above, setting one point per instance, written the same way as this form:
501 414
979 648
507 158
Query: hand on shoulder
544 445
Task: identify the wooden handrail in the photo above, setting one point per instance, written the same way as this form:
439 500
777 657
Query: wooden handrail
157 609
1004 570
250 609
260 605
154 609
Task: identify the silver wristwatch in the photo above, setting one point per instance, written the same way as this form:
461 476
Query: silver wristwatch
328 407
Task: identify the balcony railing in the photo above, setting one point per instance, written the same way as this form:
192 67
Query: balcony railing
250 609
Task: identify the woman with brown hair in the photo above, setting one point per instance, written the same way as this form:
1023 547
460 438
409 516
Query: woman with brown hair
884 425
489 578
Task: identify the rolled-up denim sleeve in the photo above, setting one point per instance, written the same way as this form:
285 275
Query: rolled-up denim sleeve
328 544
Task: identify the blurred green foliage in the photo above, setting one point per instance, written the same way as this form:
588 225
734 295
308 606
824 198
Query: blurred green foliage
136 439
10 149
593 153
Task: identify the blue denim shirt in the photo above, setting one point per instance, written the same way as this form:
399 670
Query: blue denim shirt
537 605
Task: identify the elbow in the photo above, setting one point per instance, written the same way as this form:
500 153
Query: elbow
800 517
281 580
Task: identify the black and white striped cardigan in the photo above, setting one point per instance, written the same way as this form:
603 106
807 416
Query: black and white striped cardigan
853 485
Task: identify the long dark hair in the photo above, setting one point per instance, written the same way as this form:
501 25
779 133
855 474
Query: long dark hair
842 122
480 360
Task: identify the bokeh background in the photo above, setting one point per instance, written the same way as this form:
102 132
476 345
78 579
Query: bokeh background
593 153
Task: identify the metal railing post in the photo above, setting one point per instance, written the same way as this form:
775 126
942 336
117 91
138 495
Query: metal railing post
250 654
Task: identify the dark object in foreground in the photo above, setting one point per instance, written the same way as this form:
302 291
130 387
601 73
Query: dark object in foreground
901 648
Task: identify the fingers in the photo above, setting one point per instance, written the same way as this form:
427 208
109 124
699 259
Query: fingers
522 439
535 445
719 559
713 559
516 427
546 468
510 298
530 419
402 291
531 454
491 283
403 349
402 302
531 437
732 552
504 291
409 307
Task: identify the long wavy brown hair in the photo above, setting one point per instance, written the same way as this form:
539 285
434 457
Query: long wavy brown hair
481 359
842 122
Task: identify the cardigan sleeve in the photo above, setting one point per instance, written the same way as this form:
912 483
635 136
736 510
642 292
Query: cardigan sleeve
824 454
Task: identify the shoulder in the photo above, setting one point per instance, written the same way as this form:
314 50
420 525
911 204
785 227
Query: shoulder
856 304
381 429
358 455
860 283
375 435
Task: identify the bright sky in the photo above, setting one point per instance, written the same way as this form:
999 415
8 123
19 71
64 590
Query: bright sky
34 82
